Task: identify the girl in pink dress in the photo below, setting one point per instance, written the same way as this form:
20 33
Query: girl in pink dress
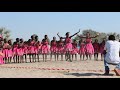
25 50
20 50
96 49
74 49
10 52
102 45
5 50
29 50
45 48
32 49
53 48
1 58
37 47
1 45
82 49
1 53
60 47
89 47
15 51
68 45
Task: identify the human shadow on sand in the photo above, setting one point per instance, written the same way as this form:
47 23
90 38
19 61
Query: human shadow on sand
87 74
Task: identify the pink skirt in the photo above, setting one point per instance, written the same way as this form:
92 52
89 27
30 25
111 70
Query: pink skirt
101 50
82 51
14 51
60 50
53 49
68 47
75 51
36 50
32 50
40 50
5 52
25 50
20 52
10 53
45 49
1 60
96 50
89 48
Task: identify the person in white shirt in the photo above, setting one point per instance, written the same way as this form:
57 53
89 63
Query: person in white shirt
112 55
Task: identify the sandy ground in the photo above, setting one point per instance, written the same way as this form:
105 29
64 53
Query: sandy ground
82 69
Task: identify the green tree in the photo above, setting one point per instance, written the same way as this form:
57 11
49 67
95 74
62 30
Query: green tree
5 32
117 36
92 33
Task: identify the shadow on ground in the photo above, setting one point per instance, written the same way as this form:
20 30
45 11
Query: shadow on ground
87 74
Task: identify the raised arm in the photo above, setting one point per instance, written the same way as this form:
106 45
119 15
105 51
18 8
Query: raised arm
60 36
75 34
95 36
80 36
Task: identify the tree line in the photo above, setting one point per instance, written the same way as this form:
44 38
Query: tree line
100 37
6 33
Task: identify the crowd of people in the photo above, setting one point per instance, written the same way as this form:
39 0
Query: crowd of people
19 50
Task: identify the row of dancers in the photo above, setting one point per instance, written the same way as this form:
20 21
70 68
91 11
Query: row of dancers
20 49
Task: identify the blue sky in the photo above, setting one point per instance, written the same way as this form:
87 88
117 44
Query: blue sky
24 24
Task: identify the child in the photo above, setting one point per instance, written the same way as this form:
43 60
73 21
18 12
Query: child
82 49
102 45
89 47
29 49
32 48
25 50
45 48
15 50
53 48
1 57
1 49
5 50
37 47
68 44
75 49
96 49
21 50
10 52
60 46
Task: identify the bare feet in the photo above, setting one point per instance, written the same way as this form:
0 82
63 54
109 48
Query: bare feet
117 71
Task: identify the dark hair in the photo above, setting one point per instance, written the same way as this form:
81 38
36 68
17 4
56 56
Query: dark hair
111 37
31 36
36 38
21 39
74 40
5 40
46 35
29 40
61 38
9 40
17 39
88 33
96 39
67 33
54 37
